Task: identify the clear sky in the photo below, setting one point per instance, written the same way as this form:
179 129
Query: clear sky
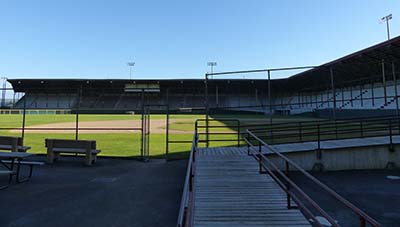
175 39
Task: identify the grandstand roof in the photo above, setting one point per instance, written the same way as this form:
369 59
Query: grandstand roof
71 85
357 68
364 65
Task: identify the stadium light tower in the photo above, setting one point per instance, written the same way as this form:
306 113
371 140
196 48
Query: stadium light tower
3 92
386 19
130 64
212 64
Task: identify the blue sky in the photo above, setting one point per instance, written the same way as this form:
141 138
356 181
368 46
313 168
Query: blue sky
175 39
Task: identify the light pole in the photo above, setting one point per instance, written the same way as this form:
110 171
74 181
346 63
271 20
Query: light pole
386 19
212 64
130 64
3 92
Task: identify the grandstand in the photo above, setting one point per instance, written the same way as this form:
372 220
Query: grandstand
363 81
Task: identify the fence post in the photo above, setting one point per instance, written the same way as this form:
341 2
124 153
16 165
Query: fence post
336 132
167 134
289 205
300 133
362 222
272 135
319 143
248 144
318 166
238 133
391 147
259 157
23 120
191 180
319 137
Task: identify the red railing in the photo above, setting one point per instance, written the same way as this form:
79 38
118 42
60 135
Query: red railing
292 190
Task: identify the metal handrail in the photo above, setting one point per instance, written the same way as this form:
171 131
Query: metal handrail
303 131
363 217
328 121
207 127
348 129
185 215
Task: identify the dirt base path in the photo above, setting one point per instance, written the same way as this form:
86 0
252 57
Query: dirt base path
124 126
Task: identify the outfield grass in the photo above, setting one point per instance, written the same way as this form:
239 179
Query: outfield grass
128 144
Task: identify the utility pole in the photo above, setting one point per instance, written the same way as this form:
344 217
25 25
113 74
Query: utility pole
386 19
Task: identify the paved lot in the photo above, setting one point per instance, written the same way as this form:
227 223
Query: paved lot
369 190
119 192
114 192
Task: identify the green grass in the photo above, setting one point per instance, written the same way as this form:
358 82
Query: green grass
128 144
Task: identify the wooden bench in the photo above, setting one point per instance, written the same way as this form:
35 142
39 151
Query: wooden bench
83 147
14 144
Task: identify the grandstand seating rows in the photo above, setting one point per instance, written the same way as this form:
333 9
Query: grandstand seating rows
368 96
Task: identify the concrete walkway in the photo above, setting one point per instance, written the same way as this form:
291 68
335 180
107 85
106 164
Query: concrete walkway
336 144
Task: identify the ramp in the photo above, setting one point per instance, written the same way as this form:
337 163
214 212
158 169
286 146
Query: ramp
230 191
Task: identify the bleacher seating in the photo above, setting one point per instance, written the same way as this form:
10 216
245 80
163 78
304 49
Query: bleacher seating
365 97
47 101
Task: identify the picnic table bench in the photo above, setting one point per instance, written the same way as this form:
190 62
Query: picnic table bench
14 144
8 173
80 147
12 161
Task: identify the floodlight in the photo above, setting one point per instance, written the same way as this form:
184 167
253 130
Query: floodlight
386 19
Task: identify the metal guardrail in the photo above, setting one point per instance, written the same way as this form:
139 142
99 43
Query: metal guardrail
292 190
236 135
185 216
307 131
296 132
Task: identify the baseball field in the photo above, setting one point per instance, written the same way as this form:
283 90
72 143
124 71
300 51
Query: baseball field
116 134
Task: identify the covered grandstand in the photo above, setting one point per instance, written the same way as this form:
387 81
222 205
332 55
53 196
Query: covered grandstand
364 80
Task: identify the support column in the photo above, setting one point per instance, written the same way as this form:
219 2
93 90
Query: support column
372 93
256 96
298 100
316 100
395 90
327 98
342 96
384 81
351 95
334 94
269 97
321 104
216 95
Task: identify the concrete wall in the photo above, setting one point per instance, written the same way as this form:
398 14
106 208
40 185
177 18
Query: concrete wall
353 158
343 114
